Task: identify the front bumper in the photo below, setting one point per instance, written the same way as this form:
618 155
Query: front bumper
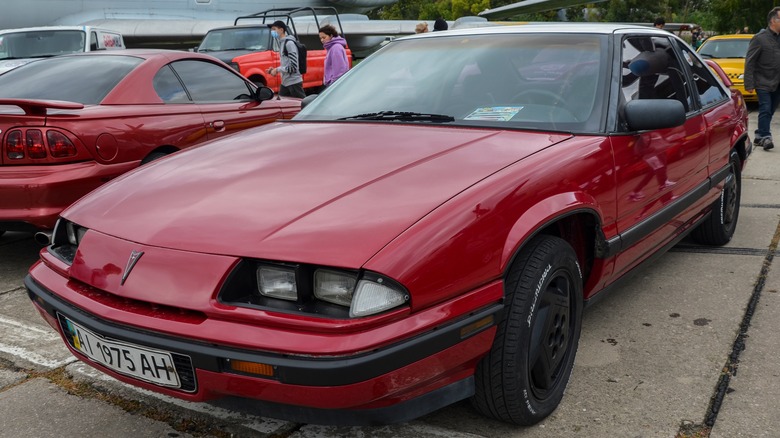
33 196
391 384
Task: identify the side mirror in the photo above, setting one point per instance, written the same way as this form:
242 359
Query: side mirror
264 93
650 114
307 100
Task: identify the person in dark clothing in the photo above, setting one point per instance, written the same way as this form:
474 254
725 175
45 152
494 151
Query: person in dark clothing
440 24
762 74
659 23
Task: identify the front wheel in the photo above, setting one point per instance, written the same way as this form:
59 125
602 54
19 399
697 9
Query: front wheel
523 378
719 227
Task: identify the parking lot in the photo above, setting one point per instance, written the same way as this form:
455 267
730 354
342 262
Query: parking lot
688 346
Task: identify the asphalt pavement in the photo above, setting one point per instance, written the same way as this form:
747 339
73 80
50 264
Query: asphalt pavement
687 348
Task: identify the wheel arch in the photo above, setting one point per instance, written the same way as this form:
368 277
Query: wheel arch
740 145
579 224
258 78
159 150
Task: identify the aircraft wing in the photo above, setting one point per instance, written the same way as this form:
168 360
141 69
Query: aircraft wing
530 7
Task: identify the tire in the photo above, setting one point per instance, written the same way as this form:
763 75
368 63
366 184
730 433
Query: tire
719 227
523 377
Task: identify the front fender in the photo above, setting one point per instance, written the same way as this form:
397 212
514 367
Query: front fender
544 214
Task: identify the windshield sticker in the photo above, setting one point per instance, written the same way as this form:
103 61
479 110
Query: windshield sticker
495 113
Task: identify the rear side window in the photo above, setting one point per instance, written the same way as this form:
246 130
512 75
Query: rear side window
168 86
82 79
708 88
207 82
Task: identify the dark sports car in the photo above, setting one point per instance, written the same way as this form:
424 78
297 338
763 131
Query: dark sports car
427 230
69 124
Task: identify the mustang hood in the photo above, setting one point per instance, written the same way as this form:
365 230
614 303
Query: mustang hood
332 193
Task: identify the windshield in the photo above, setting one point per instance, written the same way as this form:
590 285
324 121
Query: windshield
508 80
37 44
240 38
736 48
85 79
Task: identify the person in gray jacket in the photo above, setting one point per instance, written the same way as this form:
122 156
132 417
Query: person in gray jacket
762 73
292 80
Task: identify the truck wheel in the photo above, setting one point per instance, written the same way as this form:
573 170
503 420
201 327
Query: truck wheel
719 227
523 377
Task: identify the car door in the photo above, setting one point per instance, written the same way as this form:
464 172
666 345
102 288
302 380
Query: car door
716 109
224 98
655 170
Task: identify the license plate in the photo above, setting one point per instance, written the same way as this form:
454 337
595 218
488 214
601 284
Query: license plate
143 363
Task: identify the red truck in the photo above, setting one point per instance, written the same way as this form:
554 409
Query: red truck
250 49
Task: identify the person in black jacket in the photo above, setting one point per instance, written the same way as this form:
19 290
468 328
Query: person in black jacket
762 73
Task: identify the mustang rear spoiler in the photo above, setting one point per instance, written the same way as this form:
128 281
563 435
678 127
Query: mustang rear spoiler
37 107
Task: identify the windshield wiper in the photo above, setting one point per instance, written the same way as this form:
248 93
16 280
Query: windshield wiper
404 116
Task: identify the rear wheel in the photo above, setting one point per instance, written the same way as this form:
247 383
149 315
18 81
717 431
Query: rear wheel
719 227
523 378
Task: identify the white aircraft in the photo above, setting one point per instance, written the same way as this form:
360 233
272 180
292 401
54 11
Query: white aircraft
156 23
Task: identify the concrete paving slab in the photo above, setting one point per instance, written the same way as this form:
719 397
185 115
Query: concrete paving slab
751 406
39 408
25 338
755 224
8 378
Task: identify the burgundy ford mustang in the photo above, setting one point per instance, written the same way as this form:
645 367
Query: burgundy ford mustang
70 123
427 230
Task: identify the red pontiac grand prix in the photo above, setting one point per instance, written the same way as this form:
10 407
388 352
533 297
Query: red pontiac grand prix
70 123
427 230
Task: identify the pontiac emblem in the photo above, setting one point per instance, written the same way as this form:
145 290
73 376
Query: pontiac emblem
134 256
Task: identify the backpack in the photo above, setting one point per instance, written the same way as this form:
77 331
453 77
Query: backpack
301 55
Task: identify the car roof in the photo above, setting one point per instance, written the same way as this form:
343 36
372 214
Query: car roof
145 53
45 28
242 26
735 36
580 28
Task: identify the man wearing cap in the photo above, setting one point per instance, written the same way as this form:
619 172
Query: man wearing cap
292 80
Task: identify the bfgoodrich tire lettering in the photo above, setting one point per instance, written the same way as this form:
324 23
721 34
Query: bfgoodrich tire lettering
719 227
523 378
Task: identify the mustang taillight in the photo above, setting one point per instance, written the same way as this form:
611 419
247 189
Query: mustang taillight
35 146
38 144
14 146
60 146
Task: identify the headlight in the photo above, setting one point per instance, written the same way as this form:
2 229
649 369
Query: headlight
65 239
311 290
75 233
334 287
277 282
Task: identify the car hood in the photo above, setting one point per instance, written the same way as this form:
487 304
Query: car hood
10 64
731 65
328 193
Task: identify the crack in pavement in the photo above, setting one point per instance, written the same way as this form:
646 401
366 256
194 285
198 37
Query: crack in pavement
731 366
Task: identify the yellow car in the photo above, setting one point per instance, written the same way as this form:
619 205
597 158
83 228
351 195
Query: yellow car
729 51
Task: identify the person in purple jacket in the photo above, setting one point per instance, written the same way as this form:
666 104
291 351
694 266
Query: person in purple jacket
336 60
